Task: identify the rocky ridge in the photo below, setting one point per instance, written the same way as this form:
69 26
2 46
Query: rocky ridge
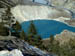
11 43
67 4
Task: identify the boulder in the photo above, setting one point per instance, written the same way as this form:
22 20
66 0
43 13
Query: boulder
15 52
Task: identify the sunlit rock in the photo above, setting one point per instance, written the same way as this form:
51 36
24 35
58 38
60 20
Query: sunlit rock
67 4
11 53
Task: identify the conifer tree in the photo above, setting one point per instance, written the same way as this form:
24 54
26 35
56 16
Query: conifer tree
23 36
31 33
34 38
51 45
51 39
17 26
39 41
32 29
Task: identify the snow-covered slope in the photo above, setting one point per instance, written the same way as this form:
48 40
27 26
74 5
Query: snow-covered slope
35 12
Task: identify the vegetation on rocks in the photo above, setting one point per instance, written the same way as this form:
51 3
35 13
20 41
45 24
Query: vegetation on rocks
32 37
65 49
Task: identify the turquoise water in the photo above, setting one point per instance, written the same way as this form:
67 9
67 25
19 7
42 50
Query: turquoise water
45 28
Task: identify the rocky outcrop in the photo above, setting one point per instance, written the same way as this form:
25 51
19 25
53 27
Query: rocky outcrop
71 22
65 37
12 3
63 3
15 43
15 52
67 4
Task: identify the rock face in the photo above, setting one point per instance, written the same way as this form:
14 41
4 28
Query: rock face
57 2
63 3
67 4
15 43
12 3
65 37
11 53
71 22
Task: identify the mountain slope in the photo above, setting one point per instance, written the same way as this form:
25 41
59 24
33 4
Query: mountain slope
34 12
26 10
67 4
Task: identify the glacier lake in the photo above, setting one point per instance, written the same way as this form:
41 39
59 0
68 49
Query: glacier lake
45 28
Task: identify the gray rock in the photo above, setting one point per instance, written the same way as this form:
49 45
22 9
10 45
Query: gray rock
12 3
26 49
15 52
